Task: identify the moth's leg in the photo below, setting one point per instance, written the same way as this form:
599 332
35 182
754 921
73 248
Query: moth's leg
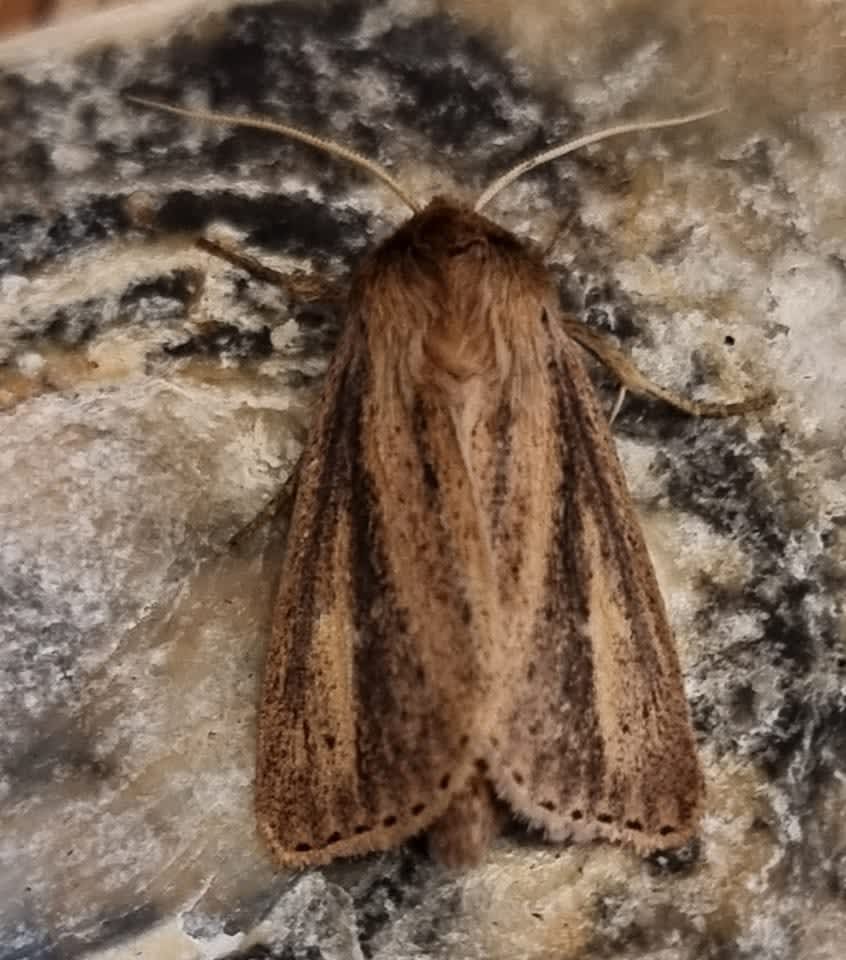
279 505
298 284
632 379
618 405
562 227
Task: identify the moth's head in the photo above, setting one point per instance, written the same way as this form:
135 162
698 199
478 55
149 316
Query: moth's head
448 253
449 283
450 289
447 229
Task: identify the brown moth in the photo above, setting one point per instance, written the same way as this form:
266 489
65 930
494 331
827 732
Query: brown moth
468 620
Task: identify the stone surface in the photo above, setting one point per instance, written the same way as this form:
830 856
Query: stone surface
152 399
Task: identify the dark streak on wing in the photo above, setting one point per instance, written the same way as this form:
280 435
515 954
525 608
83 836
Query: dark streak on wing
430 476
328 506
603 497
382 663
613 533
376 618
569 575
503 426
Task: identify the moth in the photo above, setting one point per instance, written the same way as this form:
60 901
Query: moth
468 621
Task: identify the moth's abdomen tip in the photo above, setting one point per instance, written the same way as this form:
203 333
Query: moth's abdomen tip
462 836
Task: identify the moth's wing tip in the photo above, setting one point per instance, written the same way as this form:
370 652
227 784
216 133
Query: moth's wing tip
362 839
581 825
307 855
669 834
647 845
643 843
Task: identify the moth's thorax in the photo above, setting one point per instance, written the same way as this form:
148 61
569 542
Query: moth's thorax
453 290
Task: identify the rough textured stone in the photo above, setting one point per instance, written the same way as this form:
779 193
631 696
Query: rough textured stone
152 399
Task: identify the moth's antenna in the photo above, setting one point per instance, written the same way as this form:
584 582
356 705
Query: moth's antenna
260 123
553 153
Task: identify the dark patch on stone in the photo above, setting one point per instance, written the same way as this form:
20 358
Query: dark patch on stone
105 61
95 220
791 641
160 298
292 223
614 933
236 149
239 63
596 317
186 211
103 933
395 891
570 293
263 57
834 873
713 475
710 470
454 86
812 733
124 925
756 163
22 942
593 296
203 920
617 935
597 300
680 860
74 324
258 951
672 245
35 159
88 116
178 285
377 908
63 754
320 325
742 698
299 380
440 95
13 233
278 37
223 339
